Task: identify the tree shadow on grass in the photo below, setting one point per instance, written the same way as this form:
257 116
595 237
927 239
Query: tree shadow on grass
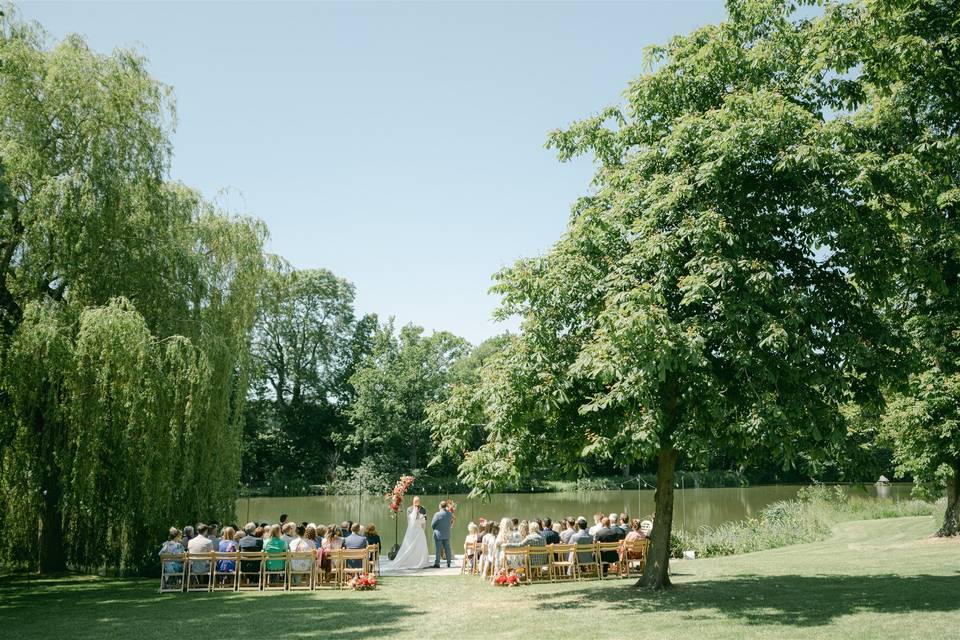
789 600
80 608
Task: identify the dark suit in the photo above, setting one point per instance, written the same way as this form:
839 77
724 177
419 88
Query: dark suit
250 544
608 534
550 536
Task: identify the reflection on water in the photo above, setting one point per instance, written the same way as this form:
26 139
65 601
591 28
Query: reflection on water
692 507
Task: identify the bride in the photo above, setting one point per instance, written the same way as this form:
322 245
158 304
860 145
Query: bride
413 550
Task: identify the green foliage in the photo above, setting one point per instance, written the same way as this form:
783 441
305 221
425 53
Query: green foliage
126 304
404 373
809 518
307 345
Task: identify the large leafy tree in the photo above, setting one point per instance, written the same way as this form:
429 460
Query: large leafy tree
718 288
907 54
307 346
126 304
403 375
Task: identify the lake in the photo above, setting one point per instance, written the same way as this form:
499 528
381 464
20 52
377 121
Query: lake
693 508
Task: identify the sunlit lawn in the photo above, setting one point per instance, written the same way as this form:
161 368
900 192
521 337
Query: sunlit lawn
872 579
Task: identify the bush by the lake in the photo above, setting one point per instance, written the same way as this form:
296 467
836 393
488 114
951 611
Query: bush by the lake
786 522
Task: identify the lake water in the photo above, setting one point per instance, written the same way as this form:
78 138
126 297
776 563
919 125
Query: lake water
693 508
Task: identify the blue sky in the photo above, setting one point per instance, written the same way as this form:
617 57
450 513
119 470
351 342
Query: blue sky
398 144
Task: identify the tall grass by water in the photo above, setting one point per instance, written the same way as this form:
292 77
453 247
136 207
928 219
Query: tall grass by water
806 519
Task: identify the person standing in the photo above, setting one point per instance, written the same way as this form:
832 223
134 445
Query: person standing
442 521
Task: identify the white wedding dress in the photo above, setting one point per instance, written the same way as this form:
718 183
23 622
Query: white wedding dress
413 550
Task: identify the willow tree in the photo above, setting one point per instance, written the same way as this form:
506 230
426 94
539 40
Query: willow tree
126 304
717 288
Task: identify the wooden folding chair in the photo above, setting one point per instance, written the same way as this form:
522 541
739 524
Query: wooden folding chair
173 573
349 567
518 559
300 570
563 563
326 572
635 557
469 555
488 561
275 571
608 555
200 571
586 561
374 559
225 571
250 570
538 563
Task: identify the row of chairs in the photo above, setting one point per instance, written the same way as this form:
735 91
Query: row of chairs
556 562
261 571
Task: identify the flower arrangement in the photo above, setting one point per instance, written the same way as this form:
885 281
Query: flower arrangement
452 508
363 582
395 497
507 579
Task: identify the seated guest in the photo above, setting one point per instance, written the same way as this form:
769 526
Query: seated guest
597 517
310 536
505 538
261 532
373 538
646 527
568 530
582 537
213 534
615 527
288 529
200 544
624 523
299 544
172 547
549 535
473 538
634 535
250 542
535 539
188 533
346 527
333 539
275 544
606 533
489 542
355 541
227 544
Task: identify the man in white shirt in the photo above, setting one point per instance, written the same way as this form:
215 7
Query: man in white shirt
197 545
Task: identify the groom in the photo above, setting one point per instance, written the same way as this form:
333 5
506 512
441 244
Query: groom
441 533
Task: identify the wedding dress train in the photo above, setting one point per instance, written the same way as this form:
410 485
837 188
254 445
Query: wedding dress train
413 552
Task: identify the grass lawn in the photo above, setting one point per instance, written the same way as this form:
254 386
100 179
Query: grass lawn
870 579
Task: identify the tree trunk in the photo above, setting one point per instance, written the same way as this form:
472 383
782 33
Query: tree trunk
656 574
951 519
51 547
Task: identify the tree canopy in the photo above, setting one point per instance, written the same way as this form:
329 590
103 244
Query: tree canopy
725 284
126 304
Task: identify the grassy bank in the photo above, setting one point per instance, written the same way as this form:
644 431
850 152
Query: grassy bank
809 518
869 579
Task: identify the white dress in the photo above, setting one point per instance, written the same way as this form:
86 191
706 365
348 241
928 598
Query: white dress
413 550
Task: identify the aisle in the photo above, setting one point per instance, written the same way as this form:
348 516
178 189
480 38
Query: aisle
387 570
